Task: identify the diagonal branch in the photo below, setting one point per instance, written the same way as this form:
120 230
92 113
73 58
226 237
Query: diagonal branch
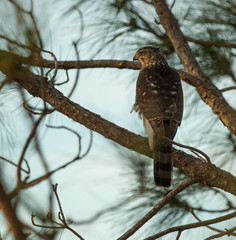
192 225
177 38
207 173
208 92
156 208
228 232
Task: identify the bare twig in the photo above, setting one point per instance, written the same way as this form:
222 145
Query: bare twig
192 225
172 5
66 81
192 149
228 89
178 235
31 136
155 209
228 232
55 66
19 7
78 157
75 44
213 210
61 217
15 42
74 132
35 111
212 228
59 226
14 164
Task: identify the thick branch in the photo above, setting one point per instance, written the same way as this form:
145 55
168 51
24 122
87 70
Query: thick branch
207 90
177 39
207 173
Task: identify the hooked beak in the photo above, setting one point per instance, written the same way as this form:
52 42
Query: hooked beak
135 58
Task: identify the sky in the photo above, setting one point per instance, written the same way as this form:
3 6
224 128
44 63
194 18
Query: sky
97 181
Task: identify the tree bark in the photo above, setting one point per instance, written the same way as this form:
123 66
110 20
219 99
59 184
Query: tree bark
208 92
207 174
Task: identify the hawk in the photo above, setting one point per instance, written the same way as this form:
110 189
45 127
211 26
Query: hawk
159 101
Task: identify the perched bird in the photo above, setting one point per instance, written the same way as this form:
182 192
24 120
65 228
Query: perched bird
159 101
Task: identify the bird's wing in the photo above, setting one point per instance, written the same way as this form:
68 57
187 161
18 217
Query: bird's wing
159 97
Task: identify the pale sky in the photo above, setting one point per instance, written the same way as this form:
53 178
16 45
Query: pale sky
96 182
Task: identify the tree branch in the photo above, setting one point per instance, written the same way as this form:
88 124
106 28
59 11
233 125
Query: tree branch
212 228
177 38
159 206
208 92
211 43
192 225
14 224
207 173
228 232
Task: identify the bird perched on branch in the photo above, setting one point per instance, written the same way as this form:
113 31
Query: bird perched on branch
159 100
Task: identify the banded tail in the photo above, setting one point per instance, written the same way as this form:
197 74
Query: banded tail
163 166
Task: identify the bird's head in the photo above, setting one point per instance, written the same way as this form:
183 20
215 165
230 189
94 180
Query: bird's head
149 56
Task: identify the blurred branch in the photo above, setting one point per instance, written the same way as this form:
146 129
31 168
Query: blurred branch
213 210
107 210
14 164
156 208
208 92
178 235
211 43
20 8
208 174
31 136
15 225
78 156
192 225
212 228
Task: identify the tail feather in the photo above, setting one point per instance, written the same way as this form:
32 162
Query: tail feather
163 166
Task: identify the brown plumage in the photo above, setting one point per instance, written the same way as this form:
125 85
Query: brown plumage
159 99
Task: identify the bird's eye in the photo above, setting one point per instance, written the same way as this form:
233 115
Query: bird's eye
141 53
